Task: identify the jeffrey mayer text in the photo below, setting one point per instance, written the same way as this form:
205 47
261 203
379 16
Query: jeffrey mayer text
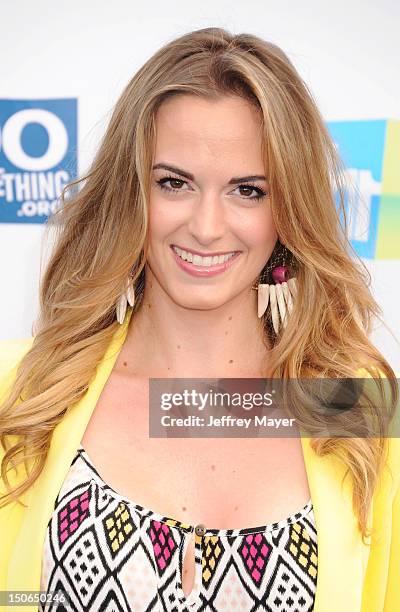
224 421
263 421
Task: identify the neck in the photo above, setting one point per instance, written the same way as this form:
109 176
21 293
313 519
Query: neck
165 339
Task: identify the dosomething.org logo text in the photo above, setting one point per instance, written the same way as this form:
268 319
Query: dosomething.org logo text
38 142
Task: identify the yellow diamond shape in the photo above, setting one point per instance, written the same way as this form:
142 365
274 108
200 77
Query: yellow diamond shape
115 545
312 571
313 558
305 547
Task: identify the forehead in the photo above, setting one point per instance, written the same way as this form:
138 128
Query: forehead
198 131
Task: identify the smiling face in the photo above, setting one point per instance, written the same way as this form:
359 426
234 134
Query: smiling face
210 225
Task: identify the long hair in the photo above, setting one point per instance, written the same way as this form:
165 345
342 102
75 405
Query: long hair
101 236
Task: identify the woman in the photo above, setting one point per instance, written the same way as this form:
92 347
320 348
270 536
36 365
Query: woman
216 177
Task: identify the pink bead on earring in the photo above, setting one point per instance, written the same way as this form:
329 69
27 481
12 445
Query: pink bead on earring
280 274
280 294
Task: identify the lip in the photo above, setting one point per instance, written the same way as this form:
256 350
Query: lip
204 270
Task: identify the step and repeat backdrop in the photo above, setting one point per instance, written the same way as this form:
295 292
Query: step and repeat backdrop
40 151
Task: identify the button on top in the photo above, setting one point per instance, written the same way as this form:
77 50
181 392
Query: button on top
200 529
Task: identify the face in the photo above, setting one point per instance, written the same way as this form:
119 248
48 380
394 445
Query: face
211 230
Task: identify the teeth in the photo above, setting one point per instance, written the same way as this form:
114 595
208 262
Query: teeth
198 260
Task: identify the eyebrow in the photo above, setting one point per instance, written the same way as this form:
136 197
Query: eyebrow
188 175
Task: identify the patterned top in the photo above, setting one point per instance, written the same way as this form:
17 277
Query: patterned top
108 553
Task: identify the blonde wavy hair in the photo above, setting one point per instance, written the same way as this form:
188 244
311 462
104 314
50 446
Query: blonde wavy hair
102 226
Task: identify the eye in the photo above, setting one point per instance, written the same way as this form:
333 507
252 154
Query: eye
249 187
177 183
173 181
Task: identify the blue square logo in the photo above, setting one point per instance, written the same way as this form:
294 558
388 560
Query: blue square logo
38 157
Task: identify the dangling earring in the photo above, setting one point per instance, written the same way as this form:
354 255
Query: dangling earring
282 293
128 296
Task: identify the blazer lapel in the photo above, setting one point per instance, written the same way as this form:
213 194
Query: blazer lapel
25 564
341 563
341 552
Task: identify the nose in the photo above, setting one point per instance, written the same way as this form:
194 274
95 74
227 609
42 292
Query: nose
207 221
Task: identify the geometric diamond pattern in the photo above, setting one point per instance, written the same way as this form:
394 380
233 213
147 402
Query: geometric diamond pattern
72 514
162 538
255 552
287 589
303 550
109 553
213 550
118 525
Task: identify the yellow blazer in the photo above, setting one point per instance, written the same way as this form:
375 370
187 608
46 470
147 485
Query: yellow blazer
352 576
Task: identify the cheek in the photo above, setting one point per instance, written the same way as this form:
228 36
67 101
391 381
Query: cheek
258 230
164 217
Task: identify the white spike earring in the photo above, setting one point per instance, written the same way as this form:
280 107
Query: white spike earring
127 297
282 293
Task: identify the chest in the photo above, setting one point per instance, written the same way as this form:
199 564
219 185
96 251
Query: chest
225 483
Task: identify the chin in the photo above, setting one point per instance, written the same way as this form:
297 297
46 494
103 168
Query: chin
199 302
